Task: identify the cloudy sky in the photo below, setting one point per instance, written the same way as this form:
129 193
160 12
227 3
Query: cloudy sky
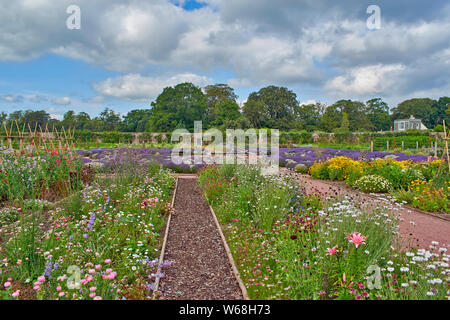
127 51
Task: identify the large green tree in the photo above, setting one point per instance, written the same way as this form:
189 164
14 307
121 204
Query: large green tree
218 94
307 116
36 118
378 113
178 107
110 120
278 105
356 111
255 113
438 111
136 120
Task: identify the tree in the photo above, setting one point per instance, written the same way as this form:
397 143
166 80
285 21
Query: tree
109 119
378 113
36 119
178 107
224 111
279 104
136 120
420 108
82 120
438 111
69 119
355 110
255 113
307 116
3 117
215 94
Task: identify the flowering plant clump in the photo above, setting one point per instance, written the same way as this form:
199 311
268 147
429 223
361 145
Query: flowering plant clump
100 243
31 176
426 195
338 168
373 183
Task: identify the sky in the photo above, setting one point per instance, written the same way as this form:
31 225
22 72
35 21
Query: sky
127 51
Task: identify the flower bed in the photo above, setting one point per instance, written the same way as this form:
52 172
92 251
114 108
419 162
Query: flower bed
108 159
424 185
288 246
47 175
308 156
106 238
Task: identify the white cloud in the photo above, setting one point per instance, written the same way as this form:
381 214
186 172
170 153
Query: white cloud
62 101
11 98
312 101
361 81
138 88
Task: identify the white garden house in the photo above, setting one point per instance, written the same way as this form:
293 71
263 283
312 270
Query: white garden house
406 124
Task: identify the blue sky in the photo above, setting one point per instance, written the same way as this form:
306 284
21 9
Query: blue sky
127 51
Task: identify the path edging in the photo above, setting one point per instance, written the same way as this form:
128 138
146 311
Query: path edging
166 234
230 256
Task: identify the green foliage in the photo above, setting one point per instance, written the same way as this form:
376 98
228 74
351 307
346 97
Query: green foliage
178 107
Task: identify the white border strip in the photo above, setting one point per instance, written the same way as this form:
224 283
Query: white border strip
166 234
230 256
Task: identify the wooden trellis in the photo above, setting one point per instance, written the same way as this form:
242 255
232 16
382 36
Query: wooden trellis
37 137
446 146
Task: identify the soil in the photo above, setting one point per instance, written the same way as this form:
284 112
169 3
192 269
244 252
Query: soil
200 267
417 229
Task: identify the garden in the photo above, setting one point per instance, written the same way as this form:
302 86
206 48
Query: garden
68 232
89 225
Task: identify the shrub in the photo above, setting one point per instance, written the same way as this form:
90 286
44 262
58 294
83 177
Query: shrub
373 183
301 168
337 168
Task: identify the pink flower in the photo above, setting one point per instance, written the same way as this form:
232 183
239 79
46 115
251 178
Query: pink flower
16 294
109 270
356 238
37 288
92 295
108 261
19 262
7 284
58 288
61 294
92 289
41 279
98 267
332 250
98 298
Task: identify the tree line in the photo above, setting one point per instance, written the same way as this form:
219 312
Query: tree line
270 107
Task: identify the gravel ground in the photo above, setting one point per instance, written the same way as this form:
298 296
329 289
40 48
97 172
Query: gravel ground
201 269
417 229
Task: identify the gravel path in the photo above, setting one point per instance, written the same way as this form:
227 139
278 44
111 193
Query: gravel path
201 269
416 229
